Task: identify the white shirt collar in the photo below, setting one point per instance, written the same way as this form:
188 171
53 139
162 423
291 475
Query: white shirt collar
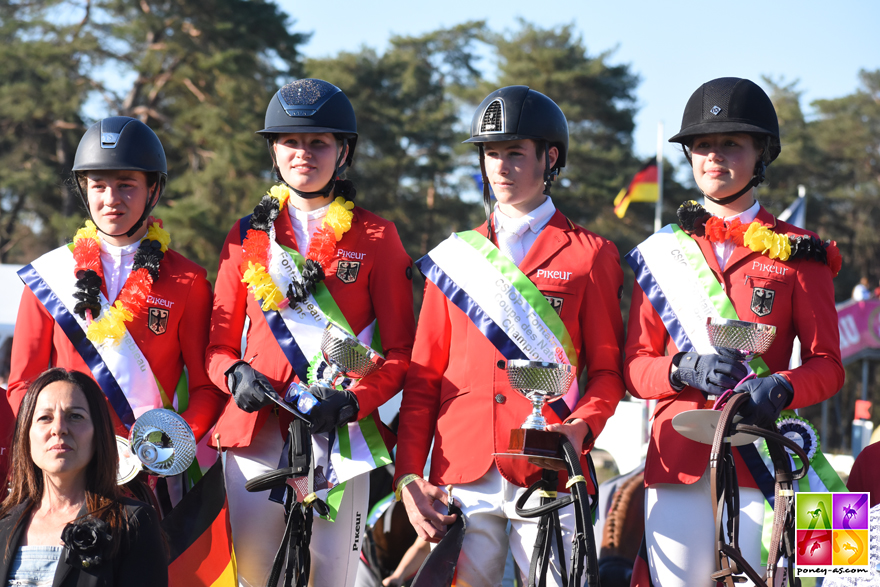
746 216
123 251
537 218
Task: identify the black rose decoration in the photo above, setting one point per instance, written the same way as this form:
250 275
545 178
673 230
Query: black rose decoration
87 541
691 217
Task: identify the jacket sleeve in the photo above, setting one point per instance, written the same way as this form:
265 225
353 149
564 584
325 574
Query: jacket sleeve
228 314
145 562
646 367
602 328
421 392
205 400
31 346
391 294
821 373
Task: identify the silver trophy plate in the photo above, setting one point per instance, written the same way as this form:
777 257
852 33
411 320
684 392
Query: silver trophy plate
129 465
540 383
700 425
750 338
163 442
346 356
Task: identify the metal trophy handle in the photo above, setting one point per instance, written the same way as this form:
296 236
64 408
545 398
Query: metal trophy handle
346 356
540 383
163 442
749 338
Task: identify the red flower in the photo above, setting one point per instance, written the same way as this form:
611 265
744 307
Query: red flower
87 254
716 231
835 261
323 246
136 289
735 231
256 249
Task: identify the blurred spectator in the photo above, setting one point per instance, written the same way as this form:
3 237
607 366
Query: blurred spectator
861 291
865 473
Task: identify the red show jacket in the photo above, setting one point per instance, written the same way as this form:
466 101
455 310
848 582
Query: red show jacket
802 306
182 290
455 392
381 290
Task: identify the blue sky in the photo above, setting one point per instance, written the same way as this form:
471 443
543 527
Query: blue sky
674 46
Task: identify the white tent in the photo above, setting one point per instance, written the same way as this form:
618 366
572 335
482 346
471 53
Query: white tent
10 294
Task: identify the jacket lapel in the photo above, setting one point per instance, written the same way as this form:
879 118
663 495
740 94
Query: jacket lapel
550 242
284 231
7 528
64 567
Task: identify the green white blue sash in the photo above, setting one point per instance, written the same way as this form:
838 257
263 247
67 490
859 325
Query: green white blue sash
122 370
358 447
502 302
668 266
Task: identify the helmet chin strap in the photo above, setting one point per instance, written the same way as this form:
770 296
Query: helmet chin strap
487 197
327 189
549 174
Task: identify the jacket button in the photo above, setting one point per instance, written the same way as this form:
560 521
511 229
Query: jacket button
500 399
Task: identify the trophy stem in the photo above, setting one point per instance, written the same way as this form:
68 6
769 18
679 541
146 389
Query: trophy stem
536 420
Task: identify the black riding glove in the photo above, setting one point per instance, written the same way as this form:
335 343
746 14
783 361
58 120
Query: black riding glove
711 374
335 407
248 387
769 396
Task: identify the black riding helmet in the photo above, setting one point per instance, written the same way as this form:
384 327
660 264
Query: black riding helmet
311 106
731 105
514 113
120 142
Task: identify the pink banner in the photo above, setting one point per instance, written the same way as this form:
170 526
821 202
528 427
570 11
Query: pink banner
859 324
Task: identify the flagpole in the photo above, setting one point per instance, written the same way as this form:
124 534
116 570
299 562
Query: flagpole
658 211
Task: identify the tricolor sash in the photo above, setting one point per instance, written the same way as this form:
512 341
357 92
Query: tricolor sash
122 370
357 447
671 270
502 302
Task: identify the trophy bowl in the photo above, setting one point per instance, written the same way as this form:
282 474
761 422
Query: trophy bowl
750 338
346 356
540 383
163 442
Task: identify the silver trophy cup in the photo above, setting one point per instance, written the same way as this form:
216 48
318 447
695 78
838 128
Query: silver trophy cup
540 383
346 356
749 338
163 442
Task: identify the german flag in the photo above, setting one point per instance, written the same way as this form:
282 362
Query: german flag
642 188
200 536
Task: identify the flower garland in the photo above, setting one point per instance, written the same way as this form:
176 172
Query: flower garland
694 220
133 296
257 246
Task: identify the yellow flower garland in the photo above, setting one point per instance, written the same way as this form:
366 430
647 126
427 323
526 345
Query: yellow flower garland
763 240
111 325
266 293
339 216
88 231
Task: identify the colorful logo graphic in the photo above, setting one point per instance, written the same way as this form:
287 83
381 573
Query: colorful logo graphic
832 533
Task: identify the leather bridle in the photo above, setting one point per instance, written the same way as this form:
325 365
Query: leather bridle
729 560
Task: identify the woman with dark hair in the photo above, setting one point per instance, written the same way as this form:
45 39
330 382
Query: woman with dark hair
65 522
